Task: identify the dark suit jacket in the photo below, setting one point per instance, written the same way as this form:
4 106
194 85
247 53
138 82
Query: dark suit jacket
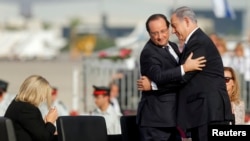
204 97
28 122
157 108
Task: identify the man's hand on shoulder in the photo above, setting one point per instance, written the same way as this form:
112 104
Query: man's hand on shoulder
194 64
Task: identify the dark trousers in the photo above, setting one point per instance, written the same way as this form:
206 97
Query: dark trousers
158 134
200 133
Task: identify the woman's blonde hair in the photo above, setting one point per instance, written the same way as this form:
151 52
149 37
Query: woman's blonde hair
35 89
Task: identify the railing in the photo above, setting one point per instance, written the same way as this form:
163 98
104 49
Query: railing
101 72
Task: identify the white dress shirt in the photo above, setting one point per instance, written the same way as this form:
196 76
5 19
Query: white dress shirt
112 119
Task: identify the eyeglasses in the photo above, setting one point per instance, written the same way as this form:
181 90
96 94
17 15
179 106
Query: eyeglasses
227 79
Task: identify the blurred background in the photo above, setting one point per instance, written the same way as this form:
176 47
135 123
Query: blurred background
76 44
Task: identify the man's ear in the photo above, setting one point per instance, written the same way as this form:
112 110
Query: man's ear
186 20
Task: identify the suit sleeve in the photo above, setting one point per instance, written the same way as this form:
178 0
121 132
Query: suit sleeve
151 66
34 124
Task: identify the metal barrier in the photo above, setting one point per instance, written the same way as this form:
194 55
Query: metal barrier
101 72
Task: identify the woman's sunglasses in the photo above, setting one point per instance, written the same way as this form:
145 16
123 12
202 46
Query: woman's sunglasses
227 79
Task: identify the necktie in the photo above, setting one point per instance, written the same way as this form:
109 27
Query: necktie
166 48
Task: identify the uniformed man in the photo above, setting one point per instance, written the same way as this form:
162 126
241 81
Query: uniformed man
105 109
60 106
57 103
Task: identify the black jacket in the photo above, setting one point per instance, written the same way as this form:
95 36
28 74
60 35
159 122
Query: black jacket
157 108
204 97
28 122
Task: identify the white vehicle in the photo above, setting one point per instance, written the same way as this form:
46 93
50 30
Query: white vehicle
28 45
44 45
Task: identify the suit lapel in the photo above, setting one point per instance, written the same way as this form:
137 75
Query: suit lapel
170 55
165 53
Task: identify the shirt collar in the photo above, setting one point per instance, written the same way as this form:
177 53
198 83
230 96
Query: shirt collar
190 34
166 45
108 111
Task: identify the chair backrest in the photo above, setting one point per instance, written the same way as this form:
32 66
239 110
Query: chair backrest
81 128
129 128
7 132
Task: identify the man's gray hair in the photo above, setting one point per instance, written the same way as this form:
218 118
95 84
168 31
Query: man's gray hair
185 11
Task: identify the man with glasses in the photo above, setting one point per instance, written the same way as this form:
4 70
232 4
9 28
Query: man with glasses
159 59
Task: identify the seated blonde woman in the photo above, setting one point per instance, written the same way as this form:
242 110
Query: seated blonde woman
233 89
28 122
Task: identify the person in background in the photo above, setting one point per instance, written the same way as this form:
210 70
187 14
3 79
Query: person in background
247 70
27 119
104 108
214 37
57 103
114 94
5 97
3 88
233 89
221 45
239 65
226 55
238 59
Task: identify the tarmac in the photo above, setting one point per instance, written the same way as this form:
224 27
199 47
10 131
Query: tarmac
59 72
